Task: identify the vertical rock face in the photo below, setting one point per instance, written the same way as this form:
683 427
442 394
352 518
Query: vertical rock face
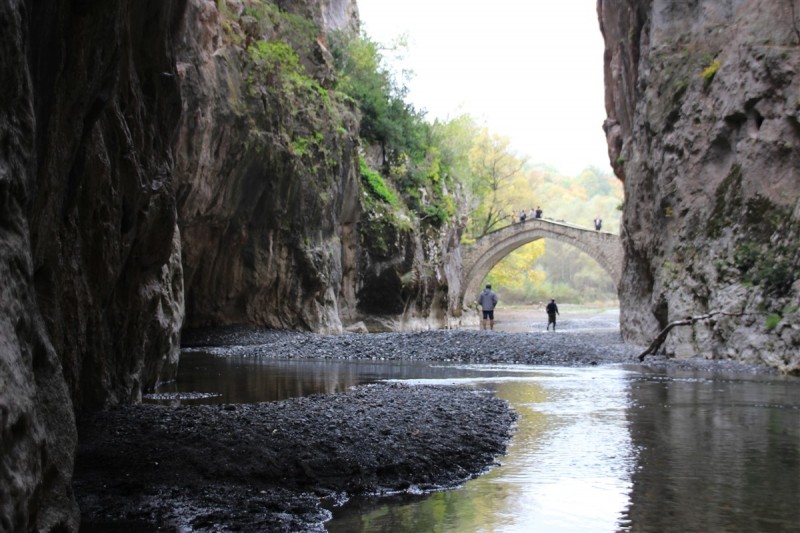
269 197
37 427
91 301
339 15
103 218
268 183
407 280
703 103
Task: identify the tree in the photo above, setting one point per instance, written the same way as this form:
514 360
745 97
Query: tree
516 273
454 138
387 119
493 170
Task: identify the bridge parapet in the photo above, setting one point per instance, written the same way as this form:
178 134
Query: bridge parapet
479 258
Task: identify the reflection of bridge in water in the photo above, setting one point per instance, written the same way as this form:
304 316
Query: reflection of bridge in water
479 258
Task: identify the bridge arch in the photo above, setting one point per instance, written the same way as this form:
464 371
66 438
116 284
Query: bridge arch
480 257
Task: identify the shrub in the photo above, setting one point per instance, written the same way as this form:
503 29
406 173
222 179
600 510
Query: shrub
386 118
746 256
711 70
375 184
772 321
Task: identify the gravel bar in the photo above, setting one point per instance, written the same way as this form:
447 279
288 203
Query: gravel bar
278 466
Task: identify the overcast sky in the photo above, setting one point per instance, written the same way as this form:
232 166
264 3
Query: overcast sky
531 70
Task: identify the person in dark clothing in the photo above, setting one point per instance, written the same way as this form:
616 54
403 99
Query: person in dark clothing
598 223
552 311
488 301
538 212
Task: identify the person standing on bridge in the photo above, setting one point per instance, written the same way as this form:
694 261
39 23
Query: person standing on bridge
598 223
552 311
538 212
522 216
532 214
488 301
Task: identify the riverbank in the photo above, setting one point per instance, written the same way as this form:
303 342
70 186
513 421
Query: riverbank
579 341
276 466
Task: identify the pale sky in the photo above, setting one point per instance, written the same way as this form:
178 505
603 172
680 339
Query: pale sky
532 70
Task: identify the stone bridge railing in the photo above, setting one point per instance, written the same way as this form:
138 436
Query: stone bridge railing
479 258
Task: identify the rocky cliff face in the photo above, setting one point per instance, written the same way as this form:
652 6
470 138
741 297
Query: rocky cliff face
703 103
91 276
153 154
103 218
268 185
35 467
270 208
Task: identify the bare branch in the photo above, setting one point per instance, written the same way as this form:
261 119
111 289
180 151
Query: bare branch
688 321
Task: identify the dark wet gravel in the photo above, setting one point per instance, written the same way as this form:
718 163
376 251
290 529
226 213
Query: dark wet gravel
277 466
595 340
271 466
567 347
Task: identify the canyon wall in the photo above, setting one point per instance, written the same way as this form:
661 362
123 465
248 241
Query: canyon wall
156 171
268 184
37 427
703 127
269 192
92 293
102 214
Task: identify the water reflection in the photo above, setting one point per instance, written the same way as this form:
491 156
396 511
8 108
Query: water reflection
209 378
568 466
718 454
596 449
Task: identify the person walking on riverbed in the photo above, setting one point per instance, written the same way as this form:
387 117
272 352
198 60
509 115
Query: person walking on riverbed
488 301
552 311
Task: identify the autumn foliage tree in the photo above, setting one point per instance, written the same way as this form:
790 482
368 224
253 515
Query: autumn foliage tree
493 170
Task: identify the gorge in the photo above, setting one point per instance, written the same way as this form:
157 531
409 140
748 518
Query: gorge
156 174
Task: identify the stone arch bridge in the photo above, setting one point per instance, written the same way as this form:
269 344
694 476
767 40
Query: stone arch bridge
479 258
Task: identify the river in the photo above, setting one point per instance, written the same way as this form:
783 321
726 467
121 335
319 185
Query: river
602 448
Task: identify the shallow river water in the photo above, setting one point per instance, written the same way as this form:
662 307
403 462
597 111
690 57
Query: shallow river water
603 448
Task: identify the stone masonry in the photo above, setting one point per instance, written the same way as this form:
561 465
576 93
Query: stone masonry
479 258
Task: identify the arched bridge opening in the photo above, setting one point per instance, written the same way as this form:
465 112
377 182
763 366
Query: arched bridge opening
480 257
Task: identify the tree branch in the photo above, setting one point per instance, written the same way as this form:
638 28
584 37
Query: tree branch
688 321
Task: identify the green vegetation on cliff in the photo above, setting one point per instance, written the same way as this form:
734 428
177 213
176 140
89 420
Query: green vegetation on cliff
415 175
387 120
410 154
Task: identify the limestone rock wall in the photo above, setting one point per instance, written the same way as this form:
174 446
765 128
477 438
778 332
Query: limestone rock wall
272 221
103 217
142 173
91 286
37 427
412 282
703 103
268 183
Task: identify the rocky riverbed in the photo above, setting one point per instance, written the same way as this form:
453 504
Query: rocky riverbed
271 466
277 466
582 340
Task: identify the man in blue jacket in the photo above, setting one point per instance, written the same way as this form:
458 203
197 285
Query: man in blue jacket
488 301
